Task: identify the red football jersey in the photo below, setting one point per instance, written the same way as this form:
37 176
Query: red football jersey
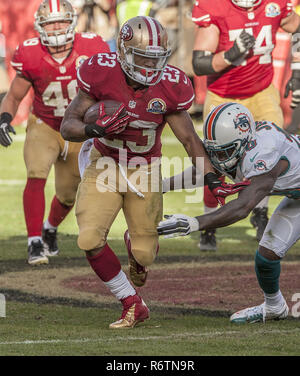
256 71
102 77
54 83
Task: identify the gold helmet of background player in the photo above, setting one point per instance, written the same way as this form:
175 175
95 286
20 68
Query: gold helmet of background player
51 11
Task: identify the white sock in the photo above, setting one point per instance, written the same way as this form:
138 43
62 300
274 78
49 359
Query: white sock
31 238
208 210
120 286
48 226
263 203
274 300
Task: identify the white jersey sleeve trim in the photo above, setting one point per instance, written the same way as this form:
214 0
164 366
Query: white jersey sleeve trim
86 85
182 105
206 18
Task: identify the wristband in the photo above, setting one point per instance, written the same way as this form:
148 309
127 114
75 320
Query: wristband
295 66
202 63
211 178
194 224
93 130
5 117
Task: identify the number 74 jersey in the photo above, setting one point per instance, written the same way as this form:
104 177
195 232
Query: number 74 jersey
54 83
254 73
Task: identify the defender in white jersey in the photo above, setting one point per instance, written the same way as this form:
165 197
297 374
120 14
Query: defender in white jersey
269 158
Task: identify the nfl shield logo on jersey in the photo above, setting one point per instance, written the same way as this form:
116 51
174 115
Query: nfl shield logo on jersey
132 104
251 15
62 69
272 10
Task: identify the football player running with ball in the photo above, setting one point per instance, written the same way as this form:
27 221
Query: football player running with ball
233 48
48 65
270 158
153 93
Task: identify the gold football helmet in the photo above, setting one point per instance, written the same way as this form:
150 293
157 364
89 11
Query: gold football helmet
143 49
55 11
246 3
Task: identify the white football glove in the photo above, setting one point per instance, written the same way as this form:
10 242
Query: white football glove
177 225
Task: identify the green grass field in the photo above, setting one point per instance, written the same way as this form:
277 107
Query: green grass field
62 324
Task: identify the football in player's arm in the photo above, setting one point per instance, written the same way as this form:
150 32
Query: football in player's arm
153 93
268 158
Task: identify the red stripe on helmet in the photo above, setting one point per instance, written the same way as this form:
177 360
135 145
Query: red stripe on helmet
149 31
50 6
157 32
58 5
209 125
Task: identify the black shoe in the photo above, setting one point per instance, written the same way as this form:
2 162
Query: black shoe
50 242
208 241
36 254
259 220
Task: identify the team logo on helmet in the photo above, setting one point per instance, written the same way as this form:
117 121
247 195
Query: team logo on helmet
126 32
260 165
272 10
242 122
80 60
157 106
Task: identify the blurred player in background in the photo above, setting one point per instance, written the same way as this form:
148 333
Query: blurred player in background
233 47
97 16
153 93
48 64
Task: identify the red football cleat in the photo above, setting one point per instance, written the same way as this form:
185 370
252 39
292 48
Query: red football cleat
134 312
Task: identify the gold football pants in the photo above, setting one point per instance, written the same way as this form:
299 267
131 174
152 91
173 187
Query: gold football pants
264 105
105 189
45 147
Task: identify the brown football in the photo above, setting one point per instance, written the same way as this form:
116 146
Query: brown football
110 106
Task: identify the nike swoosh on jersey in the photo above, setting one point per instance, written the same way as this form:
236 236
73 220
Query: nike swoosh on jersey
252 159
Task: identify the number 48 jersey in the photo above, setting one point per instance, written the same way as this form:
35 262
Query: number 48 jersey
255 72
54 83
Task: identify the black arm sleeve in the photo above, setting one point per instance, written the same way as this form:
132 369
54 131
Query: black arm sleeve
202 63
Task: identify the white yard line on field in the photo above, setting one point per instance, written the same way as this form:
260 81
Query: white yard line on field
12 182
154 338
19 137
17 181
